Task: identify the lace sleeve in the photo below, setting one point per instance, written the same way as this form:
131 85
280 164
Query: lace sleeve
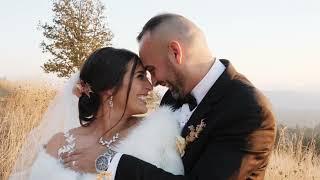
69 146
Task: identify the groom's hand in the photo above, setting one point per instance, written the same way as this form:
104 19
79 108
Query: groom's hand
83 159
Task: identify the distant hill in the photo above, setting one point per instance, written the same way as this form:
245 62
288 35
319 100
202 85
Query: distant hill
3 92
291 108
296 108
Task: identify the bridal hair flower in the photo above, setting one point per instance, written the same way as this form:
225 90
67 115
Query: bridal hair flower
82 88
182 143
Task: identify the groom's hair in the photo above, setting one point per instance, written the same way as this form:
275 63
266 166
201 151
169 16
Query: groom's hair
168 26
155 21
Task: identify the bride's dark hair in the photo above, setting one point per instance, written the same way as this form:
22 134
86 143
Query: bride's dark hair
103 70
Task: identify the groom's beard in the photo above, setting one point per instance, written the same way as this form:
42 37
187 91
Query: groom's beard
175 93
176 86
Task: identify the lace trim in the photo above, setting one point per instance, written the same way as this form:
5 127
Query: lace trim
70 145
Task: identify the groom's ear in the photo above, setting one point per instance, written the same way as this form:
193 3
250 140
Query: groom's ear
175 51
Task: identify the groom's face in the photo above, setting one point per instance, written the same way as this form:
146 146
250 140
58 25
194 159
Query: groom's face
154 57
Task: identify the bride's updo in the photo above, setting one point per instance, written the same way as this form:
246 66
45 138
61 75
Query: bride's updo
103 70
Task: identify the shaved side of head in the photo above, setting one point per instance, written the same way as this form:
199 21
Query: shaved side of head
166 27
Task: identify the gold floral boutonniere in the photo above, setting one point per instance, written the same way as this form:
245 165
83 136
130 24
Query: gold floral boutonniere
182 143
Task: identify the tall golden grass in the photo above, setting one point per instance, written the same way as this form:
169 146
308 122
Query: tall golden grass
22 109
292 160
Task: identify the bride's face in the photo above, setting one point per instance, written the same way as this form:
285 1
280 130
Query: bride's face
139 90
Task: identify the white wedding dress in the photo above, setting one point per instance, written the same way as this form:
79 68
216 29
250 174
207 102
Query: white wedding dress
153 140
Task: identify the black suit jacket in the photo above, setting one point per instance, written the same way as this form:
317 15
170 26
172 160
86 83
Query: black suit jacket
235 144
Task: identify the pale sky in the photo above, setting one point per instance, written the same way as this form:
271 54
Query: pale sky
275 43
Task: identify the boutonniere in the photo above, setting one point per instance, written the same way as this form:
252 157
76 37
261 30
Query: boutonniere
182 143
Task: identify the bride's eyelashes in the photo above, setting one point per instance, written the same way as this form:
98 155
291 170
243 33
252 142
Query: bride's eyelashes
141 75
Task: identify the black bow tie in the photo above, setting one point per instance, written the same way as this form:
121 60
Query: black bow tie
188 99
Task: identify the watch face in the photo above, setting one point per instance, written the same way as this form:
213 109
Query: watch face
102 163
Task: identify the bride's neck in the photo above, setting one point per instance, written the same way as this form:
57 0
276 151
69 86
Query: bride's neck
110 122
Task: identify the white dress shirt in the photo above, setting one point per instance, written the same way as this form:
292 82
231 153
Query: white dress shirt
199 91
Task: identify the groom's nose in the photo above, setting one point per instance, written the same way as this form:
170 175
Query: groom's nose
154 81
149 87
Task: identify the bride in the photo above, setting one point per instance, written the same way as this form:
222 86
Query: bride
110 90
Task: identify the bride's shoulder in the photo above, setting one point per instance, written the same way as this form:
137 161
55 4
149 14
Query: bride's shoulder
60 139
54 144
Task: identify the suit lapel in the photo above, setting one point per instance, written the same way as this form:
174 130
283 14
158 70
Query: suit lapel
215 93
206 106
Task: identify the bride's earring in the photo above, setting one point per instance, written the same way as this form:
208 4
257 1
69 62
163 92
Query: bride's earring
111 102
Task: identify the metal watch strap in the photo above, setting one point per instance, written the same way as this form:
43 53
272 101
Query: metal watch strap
103 161
110 153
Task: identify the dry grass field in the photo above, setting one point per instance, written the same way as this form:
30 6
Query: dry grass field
20 111
23 105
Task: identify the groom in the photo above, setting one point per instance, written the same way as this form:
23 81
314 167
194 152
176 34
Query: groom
237 131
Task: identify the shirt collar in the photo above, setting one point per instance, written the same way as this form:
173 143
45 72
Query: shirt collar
202 88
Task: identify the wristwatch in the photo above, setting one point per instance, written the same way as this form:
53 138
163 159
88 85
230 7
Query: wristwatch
103 161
